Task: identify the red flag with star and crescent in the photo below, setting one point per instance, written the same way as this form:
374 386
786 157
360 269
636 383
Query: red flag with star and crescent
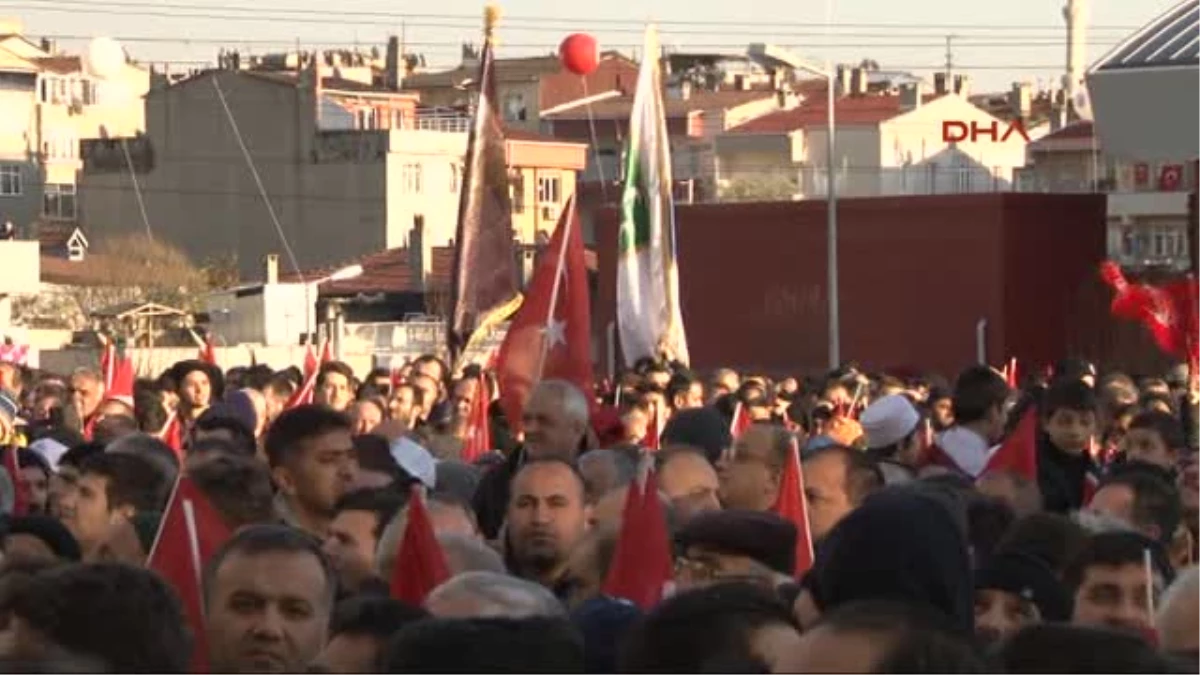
549 336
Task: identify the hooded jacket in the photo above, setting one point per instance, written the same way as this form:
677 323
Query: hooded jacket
899 545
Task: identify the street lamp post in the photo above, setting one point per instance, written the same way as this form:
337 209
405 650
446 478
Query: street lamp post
774 56
343 274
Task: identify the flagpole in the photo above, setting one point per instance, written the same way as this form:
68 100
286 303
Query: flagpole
163 520
569 214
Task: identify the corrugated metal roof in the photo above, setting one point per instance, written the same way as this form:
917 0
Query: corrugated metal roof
1172 39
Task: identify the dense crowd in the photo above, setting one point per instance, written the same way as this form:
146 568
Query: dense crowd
927 555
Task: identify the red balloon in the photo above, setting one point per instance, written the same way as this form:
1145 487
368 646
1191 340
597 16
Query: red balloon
579 53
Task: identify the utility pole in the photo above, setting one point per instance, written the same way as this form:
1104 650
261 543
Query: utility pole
949 59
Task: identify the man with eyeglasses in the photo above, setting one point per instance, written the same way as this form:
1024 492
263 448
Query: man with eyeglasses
722 546
750 470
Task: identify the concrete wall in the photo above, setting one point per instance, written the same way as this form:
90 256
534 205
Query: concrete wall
1147 114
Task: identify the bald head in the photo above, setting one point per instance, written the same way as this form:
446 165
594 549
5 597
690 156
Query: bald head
483 595
603 470
555 420
1178 619
689 480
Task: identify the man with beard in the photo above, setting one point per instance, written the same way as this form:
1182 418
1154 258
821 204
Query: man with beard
547 517
311 454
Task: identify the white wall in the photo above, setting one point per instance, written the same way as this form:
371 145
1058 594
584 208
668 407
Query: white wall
270 314
435 152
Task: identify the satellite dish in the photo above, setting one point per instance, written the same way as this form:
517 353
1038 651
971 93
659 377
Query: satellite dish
104 59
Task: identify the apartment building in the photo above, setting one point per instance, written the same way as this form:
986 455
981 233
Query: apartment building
48 105
348 167
889 140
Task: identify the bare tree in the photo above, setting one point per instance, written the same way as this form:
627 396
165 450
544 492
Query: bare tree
136 268
766 189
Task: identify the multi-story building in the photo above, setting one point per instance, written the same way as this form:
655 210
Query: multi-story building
48 105
1147 200
889 140
322 161
1145 95
525 87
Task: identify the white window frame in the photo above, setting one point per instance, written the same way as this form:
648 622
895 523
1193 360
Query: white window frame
549 190
57 192
11 179
410 175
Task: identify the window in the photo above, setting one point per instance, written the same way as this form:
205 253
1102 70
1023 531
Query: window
410 177
548 190
516 189
367 118
58 202
455 178
10 180
60 146
514 108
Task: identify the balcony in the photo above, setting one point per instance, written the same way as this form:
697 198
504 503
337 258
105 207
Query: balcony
106 155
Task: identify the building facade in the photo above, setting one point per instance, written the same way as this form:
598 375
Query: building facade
346 167
48 106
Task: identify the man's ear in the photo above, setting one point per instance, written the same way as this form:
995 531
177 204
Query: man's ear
283 480
122 512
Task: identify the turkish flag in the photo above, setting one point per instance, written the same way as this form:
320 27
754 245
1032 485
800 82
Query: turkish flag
312 366
1141 173
792 506
1018 453
208 353
654 429
172 434
1170 177
1169 311
478 439
741 420
190 533
20 486
642 562
420 563
550 335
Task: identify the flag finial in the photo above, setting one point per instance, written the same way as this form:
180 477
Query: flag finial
491 16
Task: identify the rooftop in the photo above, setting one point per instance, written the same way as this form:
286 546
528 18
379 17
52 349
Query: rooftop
1172 39
61 65
523 68
864 110
618 107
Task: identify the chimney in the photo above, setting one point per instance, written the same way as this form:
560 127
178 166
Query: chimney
1020 99
685 90
843 81
962 85
910 96
392 64
858 82
48 45
939 84
272 268
418 254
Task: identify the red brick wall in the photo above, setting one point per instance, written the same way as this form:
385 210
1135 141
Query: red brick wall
916 274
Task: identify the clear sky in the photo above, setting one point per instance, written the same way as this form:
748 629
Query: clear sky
996 43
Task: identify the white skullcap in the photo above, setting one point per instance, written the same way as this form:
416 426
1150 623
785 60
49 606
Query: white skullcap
416 460
888 420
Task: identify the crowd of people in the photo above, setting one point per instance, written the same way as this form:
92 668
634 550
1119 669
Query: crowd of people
926 556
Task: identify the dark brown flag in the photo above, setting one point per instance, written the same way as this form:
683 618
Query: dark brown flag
485 289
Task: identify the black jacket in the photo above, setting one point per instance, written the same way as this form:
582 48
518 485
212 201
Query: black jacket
491 496
1062 477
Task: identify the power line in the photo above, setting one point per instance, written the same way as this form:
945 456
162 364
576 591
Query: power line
144 39
472 21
